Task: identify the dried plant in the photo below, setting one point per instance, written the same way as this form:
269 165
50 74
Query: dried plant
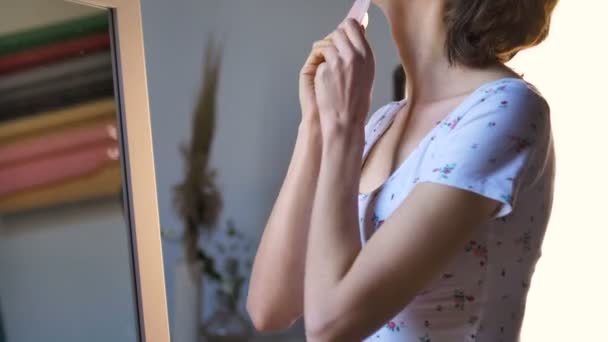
233 253
197 199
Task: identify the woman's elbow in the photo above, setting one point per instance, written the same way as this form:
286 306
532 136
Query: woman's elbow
325 333
321 329
266 318
325 322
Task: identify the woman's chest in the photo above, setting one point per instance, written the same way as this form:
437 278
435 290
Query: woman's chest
379 204
391 144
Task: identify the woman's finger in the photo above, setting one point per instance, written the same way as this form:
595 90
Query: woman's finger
343 44
356 35
315 57
331 55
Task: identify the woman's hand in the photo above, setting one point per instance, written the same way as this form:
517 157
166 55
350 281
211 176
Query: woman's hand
343 81
308 100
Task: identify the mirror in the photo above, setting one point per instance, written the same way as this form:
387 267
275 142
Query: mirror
71 257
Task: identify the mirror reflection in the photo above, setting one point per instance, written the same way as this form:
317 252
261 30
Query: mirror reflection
65 257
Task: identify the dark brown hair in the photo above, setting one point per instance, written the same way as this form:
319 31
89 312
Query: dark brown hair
483 32
399 83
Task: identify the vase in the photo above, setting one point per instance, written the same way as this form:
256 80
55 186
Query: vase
226 324
187 301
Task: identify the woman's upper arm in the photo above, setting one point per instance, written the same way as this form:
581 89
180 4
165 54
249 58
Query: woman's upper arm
412 246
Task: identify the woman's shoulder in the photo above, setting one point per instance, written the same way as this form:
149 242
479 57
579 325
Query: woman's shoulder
514 95
512 101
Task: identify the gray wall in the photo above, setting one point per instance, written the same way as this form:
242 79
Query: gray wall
266 41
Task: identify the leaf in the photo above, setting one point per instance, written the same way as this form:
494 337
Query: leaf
209 266
231 230
232 266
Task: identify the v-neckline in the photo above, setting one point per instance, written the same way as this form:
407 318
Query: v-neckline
466 104
393 112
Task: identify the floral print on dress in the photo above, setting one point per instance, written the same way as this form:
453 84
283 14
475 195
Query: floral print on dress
424 338
478 250
377 221
483 146
525 241
452 123
394 327
520 143
495 90
445 171
460 299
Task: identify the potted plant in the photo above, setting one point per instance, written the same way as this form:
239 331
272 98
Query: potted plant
226 323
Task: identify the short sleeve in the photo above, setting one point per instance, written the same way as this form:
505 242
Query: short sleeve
494 148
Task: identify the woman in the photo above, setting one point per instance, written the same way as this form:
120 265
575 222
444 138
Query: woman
434 234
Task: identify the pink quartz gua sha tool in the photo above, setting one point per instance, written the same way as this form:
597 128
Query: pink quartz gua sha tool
359 12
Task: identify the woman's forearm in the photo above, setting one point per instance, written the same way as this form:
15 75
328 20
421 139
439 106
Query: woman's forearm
276 288
334 241
334 237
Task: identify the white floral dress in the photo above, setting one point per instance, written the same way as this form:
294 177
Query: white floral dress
497 143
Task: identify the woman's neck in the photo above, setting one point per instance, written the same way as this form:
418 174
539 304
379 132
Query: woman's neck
418 31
